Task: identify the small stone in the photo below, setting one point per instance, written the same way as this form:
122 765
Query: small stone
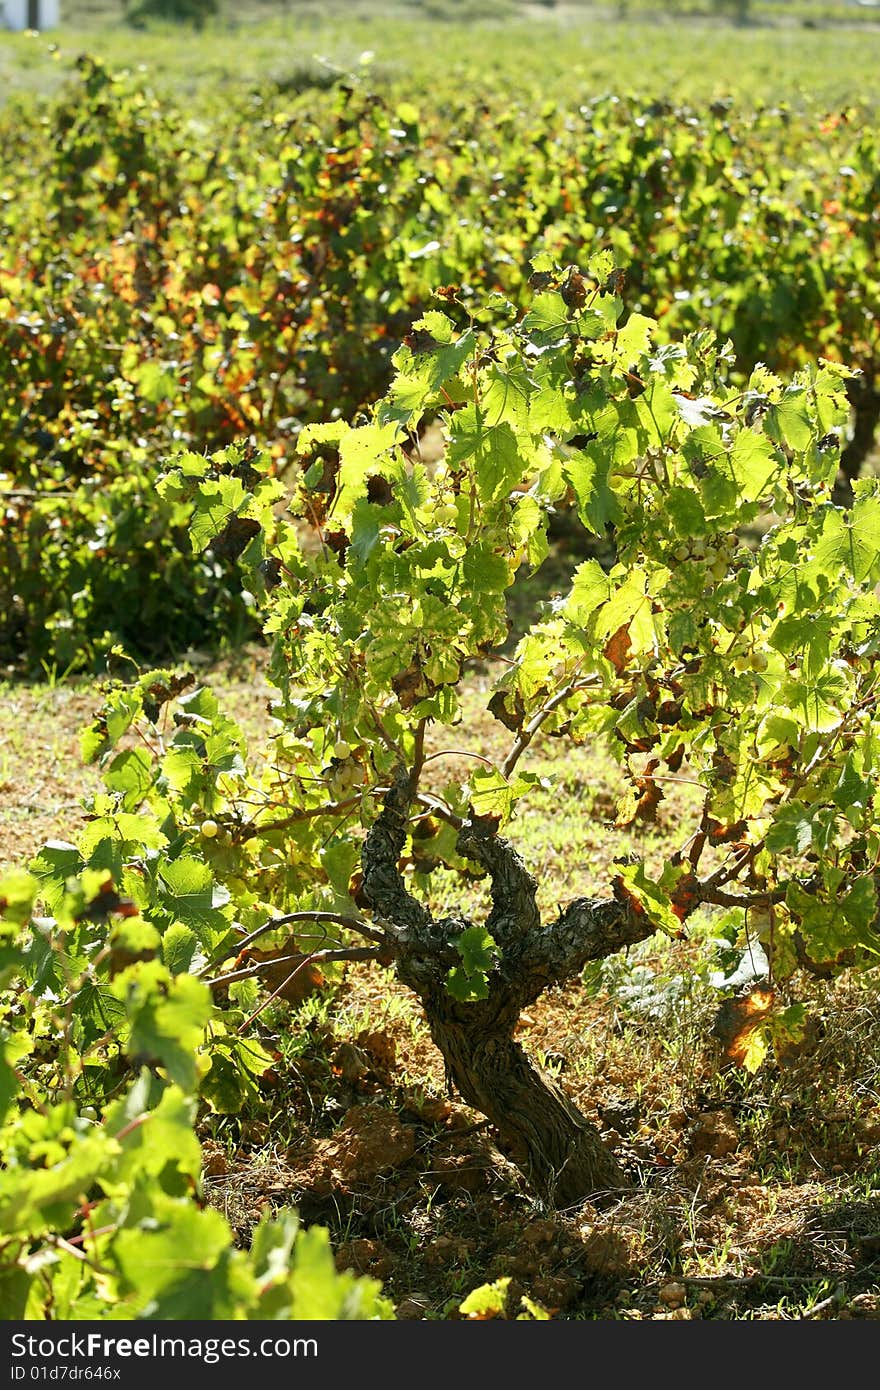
214 1161
540 1233
865 1305
620 1115
714 1133
350 1062
413 1308
556 1291
673 1295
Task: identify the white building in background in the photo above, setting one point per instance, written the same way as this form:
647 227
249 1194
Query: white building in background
29 14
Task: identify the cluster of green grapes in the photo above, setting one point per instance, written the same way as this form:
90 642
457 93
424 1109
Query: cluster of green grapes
345 773
717 554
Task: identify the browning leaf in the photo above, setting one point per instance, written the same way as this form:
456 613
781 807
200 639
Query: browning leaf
379 490
337 541
412 685
649 800
540 280
234 537
737 1019
356 891
574 288
675 759
420 341
617 649
726 834
497 707
669 712
107 902
643 798
615 282
685 896
624 894
160 692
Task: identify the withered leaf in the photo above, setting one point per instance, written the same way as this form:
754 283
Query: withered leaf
726 834
289 972
412 685
574 288
160 692
675 759
540 280
107 902
685 896
337 541
420 341
379 490
617 649
737 1019
669 712
498 708
234 537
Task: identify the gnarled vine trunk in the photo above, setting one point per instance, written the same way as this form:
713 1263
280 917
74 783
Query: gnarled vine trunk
538 1126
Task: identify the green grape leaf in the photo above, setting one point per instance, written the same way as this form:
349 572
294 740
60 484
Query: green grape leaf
179 947
478 950
319 1292
130 773
851 541
18 890
156 1129
167 1016
467 988
588 470
215 503
189 893
124 828
548 320
47 1196
788 422
178 1262
495 795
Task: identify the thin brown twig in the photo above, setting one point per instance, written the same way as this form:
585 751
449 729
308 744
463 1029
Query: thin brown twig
338 919
295 817
419 758
258 967
459 753
363 953
719 898
727 871
439 809
525 736
390 743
